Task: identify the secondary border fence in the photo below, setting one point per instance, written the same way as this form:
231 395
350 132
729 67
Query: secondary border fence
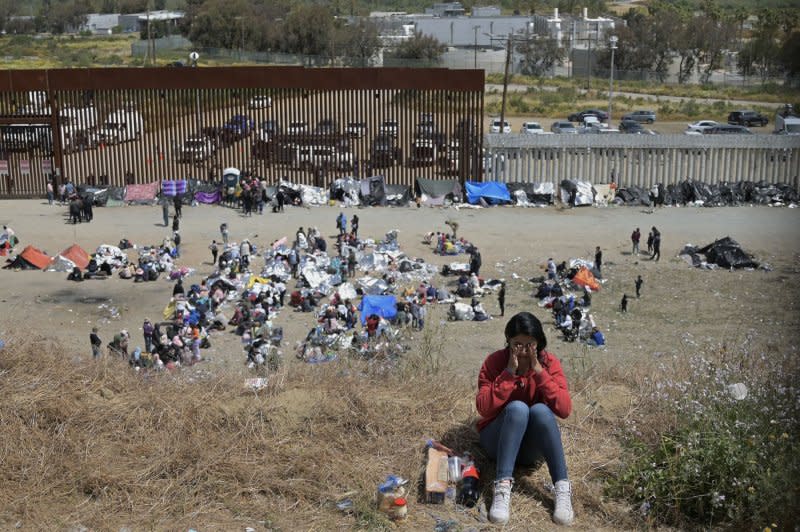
643 160
119 126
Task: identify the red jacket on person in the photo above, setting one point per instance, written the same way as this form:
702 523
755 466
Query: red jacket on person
497 387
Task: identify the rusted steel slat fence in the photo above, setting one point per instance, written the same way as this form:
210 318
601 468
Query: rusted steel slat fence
120 126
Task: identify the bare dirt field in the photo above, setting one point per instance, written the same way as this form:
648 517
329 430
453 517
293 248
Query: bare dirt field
515 243
681 309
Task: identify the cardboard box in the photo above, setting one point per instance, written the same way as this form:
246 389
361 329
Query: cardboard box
436 476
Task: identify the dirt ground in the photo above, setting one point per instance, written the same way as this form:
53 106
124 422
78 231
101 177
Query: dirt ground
680 307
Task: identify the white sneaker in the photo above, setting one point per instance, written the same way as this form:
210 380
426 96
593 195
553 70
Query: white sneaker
501 503
563 514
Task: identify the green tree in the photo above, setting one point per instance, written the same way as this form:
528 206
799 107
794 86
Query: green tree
58 16
789 55
539 55
358 43
420 47
308 31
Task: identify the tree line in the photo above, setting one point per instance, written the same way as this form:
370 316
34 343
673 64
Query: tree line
698 33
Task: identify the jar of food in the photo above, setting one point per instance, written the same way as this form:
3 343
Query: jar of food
398 510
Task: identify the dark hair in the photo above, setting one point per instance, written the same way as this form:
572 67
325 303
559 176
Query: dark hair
527 324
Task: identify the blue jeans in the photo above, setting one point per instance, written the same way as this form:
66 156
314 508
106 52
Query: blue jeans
525 435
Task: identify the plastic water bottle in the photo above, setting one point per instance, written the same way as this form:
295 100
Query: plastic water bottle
470 483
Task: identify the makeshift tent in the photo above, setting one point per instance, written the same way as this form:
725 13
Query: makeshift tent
632 196
491 192
397 195
31 258
99 196
435 191
141 193
584 277
727 253
69 258
535 193
383 306
581 190
346 190
373 190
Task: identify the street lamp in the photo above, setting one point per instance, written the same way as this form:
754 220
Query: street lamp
193 58
612 43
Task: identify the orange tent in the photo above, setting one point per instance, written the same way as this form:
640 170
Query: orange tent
35 257
77 255
585 278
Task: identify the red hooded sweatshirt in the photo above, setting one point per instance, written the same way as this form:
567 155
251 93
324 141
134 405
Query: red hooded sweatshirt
497 387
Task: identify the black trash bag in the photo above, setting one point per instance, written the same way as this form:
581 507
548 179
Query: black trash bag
727 253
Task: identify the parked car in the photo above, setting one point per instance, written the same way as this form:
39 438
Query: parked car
260 101
631 126
647 117
327 126
747 118
727 129
598 128
238 127
495 128
297 127
315 157
196 148
385 152
389 127
531 128
580 116
268 129
563 127
698 128
356 130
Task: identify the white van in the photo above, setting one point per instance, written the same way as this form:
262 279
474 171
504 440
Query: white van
77 127
120 126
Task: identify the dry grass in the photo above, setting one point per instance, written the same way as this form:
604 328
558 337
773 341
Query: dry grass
97 445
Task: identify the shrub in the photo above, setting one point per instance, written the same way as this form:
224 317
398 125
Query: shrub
716 442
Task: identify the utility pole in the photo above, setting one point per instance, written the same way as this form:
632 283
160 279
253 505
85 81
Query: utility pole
613 45
475 50
505 87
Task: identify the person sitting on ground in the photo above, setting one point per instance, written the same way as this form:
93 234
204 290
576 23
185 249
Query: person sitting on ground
521 390
75 275
480 312
597 337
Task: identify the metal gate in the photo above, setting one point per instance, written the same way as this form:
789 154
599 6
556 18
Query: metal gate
122 126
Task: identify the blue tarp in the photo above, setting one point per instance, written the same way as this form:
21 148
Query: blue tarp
384 306
493 192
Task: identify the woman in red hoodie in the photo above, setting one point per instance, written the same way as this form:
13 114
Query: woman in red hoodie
521 390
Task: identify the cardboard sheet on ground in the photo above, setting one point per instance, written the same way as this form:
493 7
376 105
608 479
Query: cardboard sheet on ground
384 306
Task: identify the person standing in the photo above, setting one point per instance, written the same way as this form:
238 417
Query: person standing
176 238
598 259
147 330
623 305
341 223
354 225
656 244
178 203
551 268
50 192
176 225
521 390
165 211
223 230
638 284
94 339
214 251
475 262
635 237
650 238
501 298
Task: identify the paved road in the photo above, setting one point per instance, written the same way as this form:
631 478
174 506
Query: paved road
513 87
